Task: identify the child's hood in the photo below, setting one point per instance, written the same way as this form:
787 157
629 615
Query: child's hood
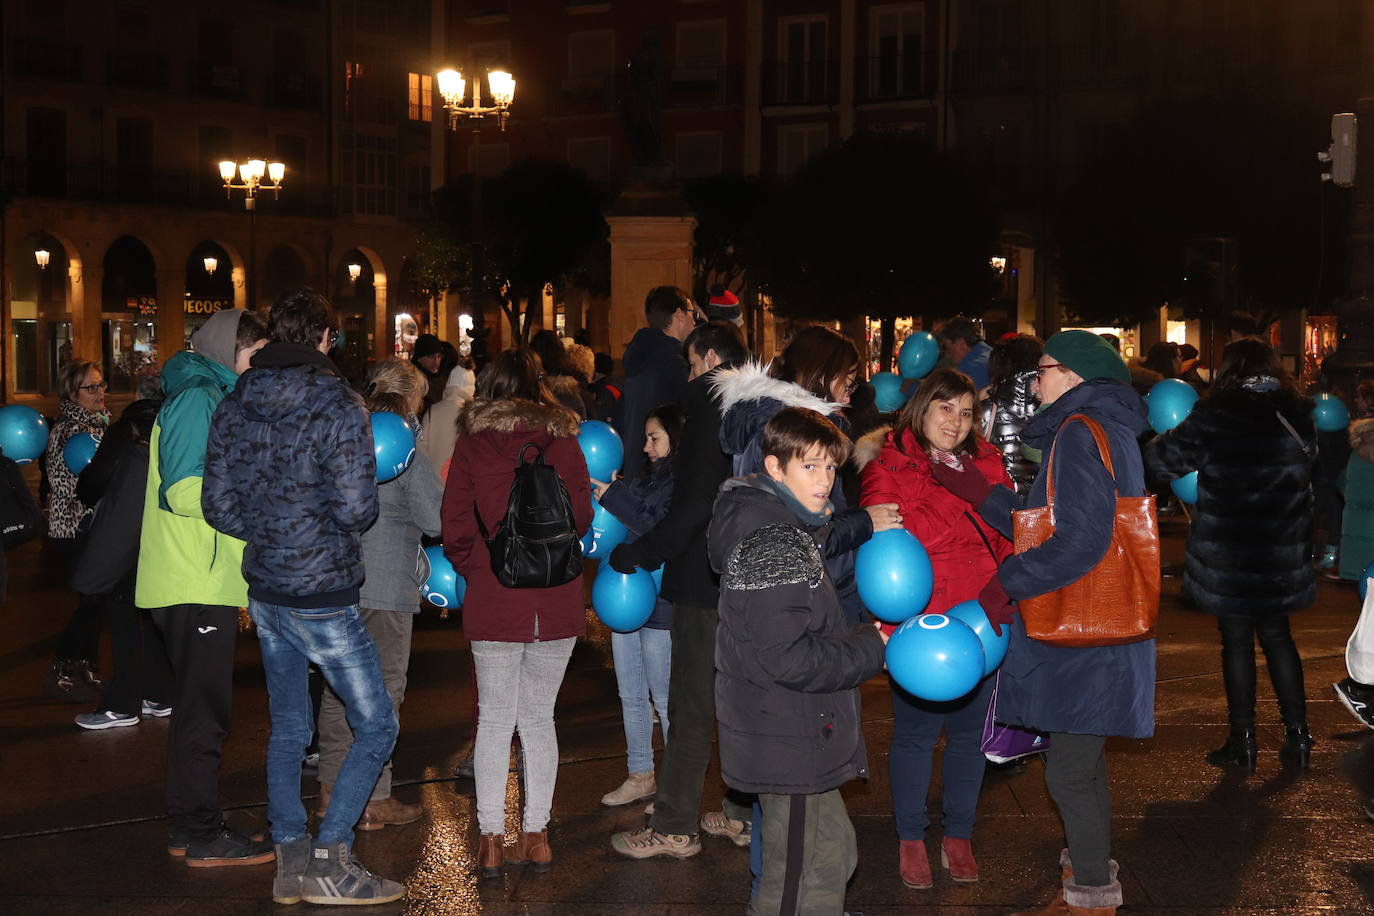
743 505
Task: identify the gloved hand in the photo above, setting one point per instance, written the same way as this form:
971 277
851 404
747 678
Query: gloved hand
624 558
970 485
1000 608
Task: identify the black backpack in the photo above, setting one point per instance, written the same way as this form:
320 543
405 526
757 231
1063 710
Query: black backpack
20 518
536 544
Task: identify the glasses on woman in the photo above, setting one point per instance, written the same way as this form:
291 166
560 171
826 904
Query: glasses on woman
98 386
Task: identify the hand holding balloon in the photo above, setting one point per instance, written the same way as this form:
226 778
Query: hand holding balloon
885 516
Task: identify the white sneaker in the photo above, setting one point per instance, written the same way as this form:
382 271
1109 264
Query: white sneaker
104 718
156 710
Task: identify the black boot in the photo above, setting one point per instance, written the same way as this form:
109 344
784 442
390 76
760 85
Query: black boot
1241 749
1297 746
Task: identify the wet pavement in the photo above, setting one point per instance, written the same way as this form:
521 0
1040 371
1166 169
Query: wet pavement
82 829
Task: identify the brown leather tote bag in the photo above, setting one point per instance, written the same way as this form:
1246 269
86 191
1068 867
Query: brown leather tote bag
1115 602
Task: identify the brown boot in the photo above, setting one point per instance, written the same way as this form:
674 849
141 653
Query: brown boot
322 806
1057 906
532 849
389 812
489 854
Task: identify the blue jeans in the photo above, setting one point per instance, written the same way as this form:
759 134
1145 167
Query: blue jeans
338 643
916 726
643 660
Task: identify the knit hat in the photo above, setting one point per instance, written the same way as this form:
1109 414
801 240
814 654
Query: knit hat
1088 355
723 305
427 345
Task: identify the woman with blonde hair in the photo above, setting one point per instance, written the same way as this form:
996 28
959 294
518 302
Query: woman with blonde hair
390 596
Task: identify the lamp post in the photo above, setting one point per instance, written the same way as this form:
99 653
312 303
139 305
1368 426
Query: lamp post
452 89
251 174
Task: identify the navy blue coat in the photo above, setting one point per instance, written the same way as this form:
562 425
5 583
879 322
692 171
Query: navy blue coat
1108 690
289 469
639 503
655 374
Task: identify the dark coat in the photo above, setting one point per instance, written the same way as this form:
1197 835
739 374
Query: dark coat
749 399
1250 543
1357 485
491 435
289 468
679 539
655 374
964 550
639 503
1106 690
788 661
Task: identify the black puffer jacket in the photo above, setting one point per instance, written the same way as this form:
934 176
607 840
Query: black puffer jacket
289 469
1250 545
788 661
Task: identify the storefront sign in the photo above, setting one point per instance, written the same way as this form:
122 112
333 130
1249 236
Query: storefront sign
207 306
143 305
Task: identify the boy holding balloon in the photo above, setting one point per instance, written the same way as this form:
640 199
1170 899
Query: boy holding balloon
789 664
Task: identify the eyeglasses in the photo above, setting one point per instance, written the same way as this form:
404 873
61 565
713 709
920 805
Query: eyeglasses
98 386
1040 370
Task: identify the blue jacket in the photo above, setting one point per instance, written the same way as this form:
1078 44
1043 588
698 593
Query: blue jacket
1109 690
639 504
975 364
290 469
655 374
749 399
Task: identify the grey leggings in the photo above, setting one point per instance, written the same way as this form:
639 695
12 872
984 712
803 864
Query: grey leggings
1076 775
517 684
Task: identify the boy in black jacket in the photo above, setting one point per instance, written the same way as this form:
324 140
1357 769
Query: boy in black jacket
789 664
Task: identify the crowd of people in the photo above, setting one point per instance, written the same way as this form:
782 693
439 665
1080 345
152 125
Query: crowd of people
748 484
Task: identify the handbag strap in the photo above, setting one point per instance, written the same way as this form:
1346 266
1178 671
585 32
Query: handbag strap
1294 433
1104 449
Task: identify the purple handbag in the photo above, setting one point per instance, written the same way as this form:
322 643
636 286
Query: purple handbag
1003 743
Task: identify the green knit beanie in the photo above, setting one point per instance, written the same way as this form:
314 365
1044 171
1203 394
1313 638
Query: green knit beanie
1088 355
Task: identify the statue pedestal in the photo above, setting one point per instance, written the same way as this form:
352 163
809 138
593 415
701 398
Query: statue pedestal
651 245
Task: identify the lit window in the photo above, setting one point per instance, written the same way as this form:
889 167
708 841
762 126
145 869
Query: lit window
421 106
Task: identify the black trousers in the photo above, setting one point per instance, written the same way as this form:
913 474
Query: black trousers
142 670
81 638
200 643
1076 775
1238 667
692 712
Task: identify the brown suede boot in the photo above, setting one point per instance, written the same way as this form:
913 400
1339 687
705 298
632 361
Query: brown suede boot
1057 906
490 850
532 849
389 812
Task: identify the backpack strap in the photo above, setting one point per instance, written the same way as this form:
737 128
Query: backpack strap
519 463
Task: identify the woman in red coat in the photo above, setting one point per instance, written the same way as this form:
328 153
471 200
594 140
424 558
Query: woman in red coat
937 424
521 638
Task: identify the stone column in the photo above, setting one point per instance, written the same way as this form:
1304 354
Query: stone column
646 251
171 313
85 304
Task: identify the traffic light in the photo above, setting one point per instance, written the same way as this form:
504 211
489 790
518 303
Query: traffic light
1341 154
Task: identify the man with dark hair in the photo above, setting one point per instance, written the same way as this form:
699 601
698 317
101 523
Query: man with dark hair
965 348
655 371
189 580
679 539
290 470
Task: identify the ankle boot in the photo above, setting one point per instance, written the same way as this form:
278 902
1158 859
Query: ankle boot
1297 746
490 853
1241 749
532 849
956 855
913 865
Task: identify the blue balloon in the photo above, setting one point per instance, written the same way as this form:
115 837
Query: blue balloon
1185 487
1364 580
602 448
1330 413
79 451
441 585
604 535
935 657
919 354
658 579
23 433
623 602
1169 401
894 575
994 646
393 443
887 390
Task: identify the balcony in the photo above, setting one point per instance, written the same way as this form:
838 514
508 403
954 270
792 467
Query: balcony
702 87
136 71
895 77
56 60
295 90
585 95
996 70
801 82
217 81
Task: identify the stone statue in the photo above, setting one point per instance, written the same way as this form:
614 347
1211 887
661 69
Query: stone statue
642 106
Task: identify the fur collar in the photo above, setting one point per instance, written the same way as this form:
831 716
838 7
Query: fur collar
1362 438
507 416
751 382
868 446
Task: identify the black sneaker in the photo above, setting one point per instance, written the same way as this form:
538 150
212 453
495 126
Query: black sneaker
1356 699
177 841
229 847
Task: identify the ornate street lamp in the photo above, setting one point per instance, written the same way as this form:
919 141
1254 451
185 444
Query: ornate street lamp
453 87
251 174
41 257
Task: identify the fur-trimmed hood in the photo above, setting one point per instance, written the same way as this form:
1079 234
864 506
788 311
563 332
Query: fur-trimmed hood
751 382
868 447
510 415
1362 438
